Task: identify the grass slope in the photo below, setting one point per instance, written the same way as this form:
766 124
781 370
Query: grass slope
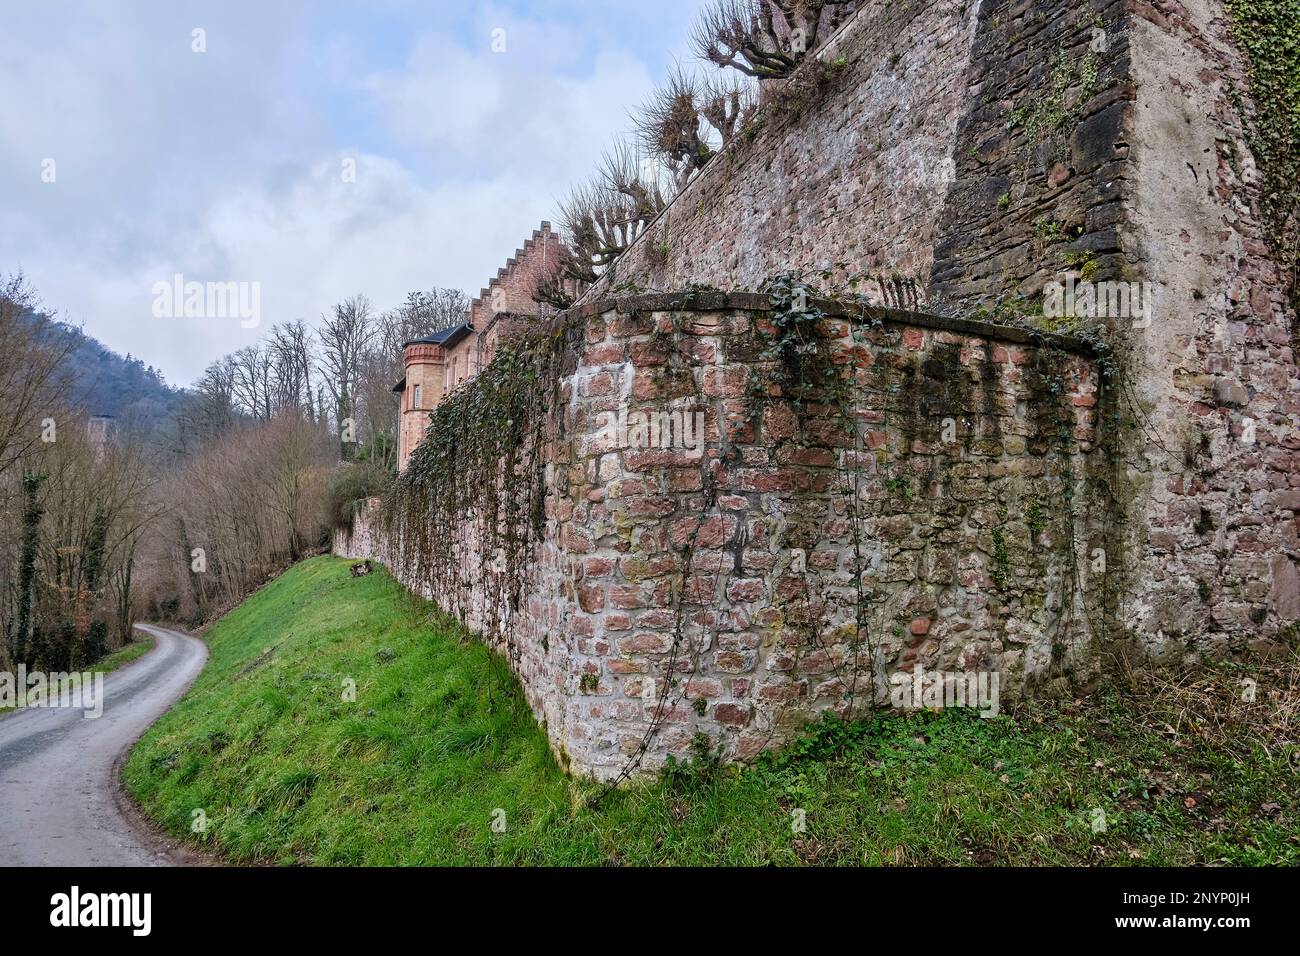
438 742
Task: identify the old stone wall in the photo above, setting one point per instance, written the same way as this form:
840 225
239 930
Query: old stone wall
972 150
1215 470
359 541
721 579
996 499
966 156
847 172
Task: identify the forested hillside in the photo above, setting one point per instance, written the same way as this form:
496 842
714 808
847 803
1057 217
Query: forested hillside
198 495
102 382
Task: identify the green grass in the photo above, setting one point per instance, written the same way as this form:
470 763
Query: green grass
124 655
438 739
112 661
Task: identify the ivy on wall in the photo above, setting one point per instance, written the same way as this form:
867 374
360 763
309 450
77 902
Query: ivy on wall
470 507
1269 32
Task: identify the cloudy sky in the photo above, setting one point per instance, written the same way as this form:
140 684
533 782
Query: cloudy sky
127 158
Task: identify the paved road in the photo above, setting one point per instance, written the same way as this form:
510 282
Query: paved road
59 798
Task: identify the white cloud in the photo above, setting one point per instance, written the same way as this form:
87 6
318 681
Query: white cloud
308 245
500 113
225 166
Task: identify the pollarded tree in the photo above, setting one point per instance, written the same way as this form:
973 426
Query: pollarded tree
598 226
637 179
604 217
688 120
727 106
669 125
560 289
766 39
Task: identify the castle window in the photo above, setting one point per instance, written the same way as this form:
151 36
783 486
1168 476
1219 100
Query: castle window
416 399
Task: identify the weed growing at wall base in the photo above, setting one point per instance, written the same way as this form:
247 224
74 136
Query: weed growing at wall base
936 690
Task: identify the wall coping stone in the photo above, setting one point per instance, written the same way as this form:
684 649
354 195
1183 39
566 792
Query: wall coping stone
711 300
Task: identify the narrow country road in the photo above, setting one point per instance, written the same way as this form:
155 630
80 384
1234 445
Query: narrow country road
59 799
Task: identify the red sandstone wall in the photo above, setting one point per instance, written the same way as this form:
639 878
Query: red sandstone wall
983 553
1217 467
985 150
854 182
742 561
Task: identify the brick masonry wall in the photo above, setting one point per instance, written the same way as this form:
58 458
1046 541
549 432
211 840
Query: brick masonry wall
511 289
735 565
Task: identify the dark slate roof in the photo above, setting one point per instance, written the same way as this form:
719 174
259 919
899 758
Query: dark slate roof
401 385
446 338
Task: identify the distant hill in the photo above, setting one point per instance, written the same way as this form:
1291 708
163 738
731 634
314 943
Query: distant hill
106 383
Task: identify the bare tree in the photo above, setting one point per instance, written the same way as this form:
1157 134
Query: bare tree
344 334
30 376
290 347
599 227
603 218
727 105
212 409
376 408
427 312
684 123
637 179
253 368
86 508
561 288
766 39
669 126
292 455
246 503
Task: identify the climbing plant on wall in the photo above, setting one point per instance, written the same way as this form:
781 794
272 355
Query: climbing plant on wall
1269 32
470 506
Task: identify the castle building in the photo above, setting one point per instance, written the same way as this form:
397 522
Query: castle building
438 364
